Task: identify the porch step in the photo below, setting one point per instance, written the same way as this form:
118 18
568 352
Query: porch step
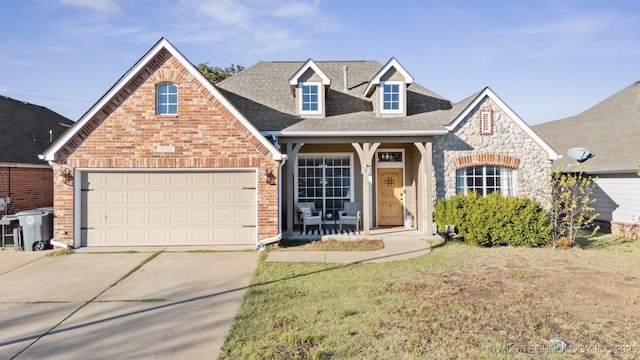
324 232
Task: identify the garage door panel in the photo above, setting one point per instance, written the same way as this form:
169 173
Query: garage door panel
244 179
180 197
159 197
201 217
222 216
158 216
137 179
245 197
222 197
158 179
137 217
112 179
115 217
179 217
136 237
137 197
202 197
199 208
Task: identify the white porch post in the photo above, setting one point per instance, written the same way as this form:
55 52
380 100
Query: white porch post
365 155
292 154
426 151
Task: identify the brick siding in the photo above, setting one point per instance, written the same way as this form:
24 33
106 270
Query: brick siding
29 188
127 132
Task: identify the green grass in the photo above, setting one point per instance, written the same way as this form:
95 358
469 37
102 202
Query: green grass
458 301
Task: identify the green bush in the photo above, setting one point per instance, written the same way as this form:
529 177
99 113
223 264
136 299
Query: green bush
494 220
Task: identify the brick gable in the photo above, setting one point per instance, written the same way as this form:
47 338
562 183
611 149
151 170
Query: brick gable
126 133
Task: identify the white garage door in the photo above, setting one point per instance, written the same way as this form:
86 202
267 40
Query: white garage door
198 208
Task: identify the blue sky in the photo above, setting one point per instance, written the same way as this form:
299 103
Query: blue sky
546 59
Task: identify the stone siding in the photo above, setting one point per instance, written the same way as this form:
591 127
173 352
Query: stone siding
507 145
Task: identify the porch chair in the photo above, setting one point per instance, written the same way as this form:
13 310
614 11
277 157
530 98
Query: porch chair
351 215
309 215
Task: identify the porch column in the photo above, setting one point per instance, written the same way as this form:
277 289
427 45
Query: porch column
426 151
365 153
292 154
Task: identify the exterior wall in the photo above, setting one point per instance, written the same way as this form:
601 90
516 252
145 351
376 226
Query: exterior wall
618 201
204 134
28 188
465 143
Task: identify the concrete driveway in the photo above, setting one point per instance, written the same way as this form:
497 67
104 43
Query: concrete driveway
176 305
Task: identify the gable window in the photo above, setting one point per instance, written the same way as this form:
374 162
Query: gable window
391 97
486 122
325 180
310 98
485 179
167 99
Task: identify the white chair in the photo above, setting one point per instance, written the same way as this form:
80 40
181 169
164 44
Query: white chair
309 215
351 215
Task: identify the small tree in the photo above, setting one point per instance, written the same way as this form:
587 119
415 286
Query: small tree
217 74
571 205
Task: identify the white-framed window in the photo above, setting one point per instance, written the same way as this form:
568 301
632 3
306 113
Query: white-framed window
485 179
310 98
326 180
391 97
167 99
486 122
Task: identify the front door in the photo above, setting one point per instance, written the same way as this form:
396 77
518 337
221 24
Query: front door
390 196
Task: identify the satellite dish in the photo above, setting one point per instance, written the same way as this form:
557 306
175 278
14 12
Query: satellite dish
579 154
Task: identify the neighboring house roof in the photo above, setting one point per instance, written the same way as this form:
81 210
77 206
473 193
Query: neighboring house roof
262 93
25 131
610 130
162 44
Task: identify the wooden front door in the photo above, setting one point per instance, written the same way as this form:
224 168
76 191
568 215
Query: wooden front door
390 196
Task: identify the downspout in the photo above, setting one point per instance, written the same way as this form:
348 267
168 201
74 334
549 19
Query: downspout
260 246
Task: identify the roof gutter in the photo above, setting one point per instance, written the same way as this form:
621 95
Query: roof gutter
357 133
260 246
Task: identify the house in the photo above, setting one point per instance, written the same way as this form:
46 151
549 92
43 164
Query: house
26 130
610 131
167 158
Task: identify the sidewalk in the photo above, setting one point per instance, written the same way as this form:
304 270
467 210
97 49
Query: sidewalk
398 245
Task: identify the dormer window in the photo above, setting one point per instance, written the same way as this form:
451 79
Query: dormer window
391 97
309 85
310 99
486 122
389 85
167 99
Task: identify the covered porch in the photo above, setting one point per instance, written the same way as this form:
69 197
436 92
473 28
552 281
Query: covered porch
390 178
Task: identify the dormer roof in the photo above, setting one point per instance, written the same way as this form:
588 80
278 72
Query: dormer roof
309 64
392 63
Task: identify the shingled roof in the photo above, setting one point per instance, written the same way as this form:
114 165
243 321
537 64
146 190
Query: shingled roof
610 130
25 131
262 93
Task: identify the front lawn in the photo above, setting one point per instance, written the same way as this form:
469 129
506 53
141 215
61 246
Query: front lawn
459 301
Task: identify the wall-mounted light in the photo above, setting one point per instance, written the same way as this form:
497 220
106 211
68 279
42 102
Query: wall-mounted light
269 177
66 176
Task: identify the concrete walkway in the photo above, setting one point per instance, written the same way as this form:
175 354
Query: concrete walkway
398 245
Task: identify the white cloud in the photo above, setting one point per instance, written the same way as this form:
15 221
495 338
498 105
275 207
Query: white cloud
256 27
97 5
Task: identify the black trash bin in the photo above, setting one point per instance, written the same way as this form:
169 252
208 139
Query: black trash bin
37 228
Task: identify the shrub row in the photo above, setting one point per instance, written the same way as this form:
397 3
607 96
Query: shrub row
494 220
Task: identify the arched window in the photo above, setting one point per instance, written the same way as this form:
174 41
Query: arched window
485 179
167 99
